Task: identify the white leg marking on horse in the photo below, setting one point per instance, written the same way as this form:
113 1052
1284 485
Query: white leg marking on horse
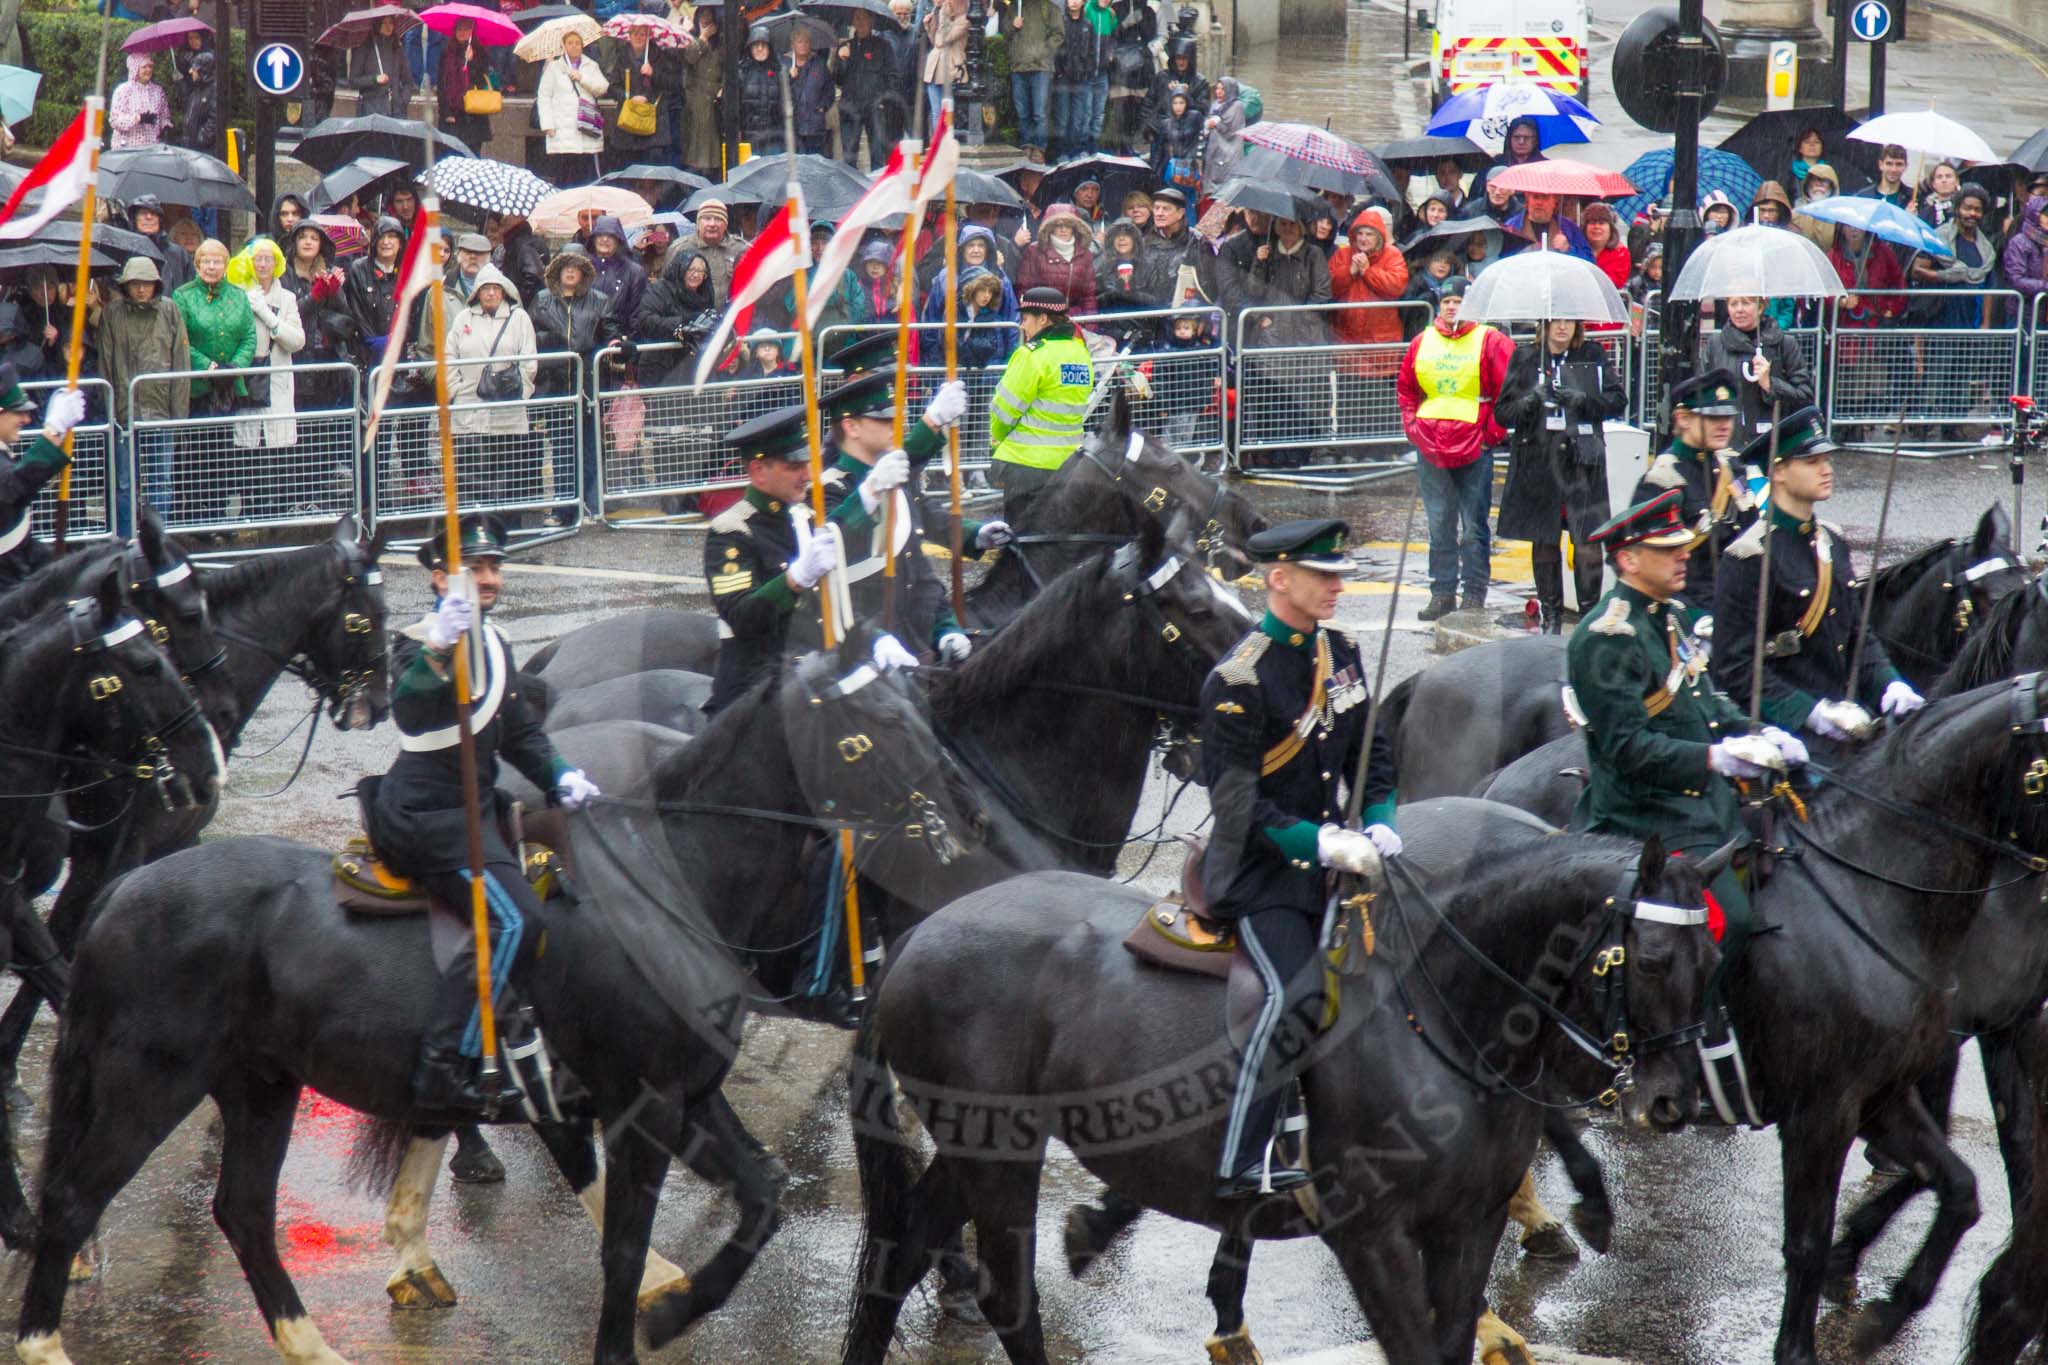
661 1274
42 1349
405 1216
300 1343
1527 1210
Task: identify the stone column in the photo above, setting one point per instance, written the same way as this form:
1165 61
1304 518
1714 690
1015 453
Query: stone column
1749 27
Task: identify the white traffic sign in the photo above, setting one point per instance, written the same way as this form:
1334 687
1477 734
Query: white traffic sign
278 68
1871 20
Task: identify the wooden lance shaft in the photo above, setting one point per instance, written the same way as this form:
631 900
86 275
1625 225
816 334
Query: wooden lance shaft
81 282
905 268
952 227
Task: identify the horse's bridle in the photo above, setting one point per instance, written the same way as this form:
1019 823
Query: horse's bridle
179 588
1157 501
905 804
148 757
363 581
1605 958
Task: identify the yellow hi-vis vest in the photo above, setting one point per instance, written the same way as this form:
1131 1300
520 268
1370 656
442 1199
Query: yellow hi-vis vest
1447 368
1036 417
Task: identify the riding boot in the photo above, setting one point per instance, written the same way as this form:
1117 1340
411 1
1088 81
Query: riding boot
446 1081
1281 945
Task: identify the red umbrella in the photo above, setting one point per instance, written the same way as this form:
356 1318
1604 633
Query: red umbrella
1562 176
164 36
345 232
492 28
357 26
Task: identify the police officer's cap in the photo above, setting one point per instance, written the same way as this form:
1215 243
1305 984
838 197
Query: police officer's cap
1043 299
483 537
1800 436
1706 395
873 351
781 434
867 395
1660 522
12 399
1317 543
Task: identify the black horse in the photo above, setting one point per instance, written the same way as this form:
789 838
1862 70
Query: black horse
1419 1125
229 956
1117 483
89 705
2012 1298
316 612
1463 719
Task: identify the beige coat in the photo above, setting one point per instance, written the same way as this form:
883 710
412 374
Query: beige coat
470 337
556 101
948 34
279 336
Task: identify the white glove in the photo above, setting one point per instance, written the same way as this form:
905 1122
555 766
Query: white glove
954 646
1745 756
450 622
890 655
1840 720
1703 628
816 556
573 791
1790 747
1347 850
947 407
1900 700
993 534
1384 839
890 473
65 410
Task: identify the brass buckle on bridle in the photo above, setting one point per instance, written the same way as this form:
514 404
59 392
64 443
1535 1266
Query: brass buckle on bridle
2035 780
1608 959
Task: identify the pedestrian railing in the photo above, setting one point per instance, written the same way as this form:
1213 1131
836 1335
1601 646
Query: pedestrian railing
2037 379
1651 388
1923 371
235 465
96 507
511 454
1298 390
662 437
1180 393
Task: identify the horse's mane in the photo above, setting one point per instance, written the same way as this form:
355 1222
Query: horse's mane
730 739
1013 656
1894 581
1988 654
238 583
55 582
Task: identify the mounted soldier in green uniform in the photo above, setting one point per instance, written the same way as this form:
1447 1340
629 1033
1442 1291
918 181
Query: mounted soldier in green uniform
416 814
1665 745
23 476
1810 629
1713 482
1283 724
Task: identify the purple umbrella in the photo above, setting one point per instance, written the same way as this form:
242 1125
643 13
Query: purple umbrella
357 26
164 36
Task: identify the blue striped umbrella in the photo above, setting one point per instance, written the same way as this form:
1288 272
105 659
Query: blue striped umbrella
1879 218
1650 173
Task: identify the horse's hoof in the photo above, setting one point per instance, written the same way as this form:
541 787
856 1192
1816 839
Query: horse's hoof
1508 1355
1500 1344
480 1167
961 1306
1839 1288
83 1267
668 1314
1871 1329
1882 1167
1081 1246
1550 1244
653 1294
423 1288
1234 1348
1596 1225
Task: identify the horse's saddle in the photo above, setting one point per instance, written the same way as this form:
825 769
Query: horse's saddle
365 885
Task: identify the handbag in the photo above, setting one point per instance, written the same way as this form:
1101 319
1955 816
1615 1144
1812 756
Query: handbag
258 387
485 101
498 383
589 118
1180 173
636 112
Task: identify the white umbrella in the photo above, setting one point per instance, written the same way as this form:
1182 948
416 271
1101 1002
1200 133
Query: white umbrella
545 42
1926 132
1757 261
1537 286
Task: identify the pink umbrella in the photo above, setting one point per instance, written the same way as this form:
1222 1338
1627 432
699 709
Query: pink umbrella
164 36
666 32
1561 175
345 232
492 28
356 27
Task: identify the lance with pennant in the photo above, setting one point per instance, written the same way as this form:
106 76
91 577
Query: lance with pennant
74 360
952 229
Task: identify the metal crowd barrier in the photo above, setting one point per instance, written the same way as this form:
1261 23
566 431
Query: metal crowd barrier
243 468
1935 375
1318 393
1651 388
511 455
96 508
665 439
1187 402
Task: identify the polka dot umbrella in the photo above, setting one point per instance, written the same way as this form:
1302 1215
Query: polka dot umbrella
486 187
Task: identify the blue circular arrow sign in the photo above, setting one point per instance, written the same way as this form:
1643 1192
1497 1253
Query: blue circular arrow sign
278 68
1871 19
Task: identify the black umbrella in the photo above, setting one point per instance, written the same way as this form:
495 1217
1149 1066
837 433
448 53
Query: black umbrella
1422 153
676 182
55 247
878 8
360 176
1451 228
830 187
332 143
979 187
2032 155
527 20
1279 201
1767 141
781 26
1264 163
1118 176
176 175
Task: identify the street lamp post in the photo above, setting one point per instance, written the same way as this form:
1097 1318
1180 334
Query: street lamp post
1691 56
968 97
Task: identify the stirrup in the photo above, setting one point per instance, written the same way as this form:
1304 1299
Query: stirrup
534 1078
1726 1050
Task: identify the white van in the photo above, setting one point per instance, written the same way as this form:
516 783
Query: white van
1485 42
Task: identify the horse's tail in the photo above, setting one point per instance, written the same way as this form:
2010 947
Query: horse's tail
890 1236
379 1151
2012 1298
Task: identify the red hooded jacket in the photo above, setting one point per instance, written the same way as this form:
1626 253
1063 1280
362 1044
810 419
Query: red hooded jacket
1448 443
